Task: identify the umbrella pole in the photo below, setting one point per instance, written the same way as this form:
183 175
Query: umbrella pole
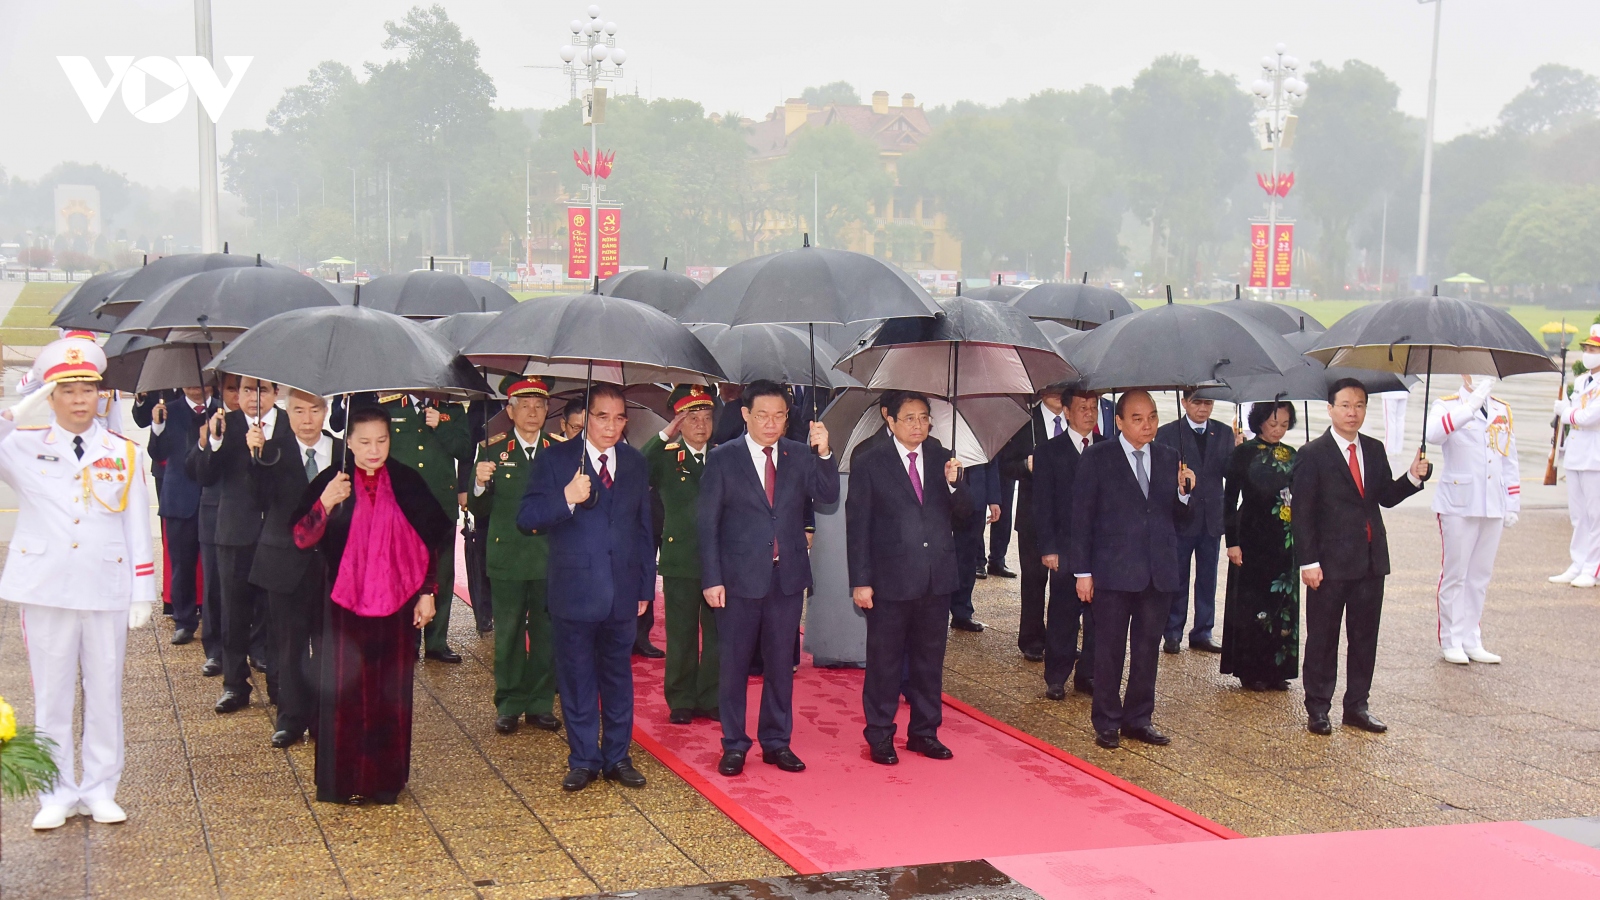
955 388
1306 408
811 339
1427 389
583 454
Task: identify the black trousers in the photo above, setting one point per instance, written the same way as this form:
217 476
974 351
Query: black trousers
1359 602
744 624
905 650
211 603
475 551
296 626
1000 532
244 620
645 624
1061 629
1128 626
183 554
1035 579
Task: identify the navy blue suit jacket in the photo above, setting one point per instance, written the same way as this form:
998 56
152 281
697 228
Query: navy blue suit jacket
1055 469
1209 460
180 494
903 549
602 560
1126 541
737 526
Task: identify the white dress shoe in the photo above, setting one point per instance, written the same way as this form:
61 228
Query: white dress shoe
1565 577
1455 655
106 812
52 816
1480 655
1584 581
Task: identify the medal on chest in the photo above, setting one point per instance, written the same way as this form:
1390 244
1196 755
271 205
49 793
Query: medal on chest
106 480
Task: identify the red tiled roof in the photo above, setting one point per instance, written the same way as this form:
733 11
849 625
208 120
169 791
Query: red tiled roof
900 129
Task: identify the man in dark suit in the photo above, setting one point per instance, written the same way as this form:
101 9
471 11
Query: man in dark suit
1049 419
591 496
905 502
1128 498
754 565
292 577
1205 445
174 428
210 567
224 458
983 486
1055 467
1341 481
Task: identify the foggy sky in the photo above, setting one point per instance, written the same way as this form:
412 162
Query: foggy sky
747 56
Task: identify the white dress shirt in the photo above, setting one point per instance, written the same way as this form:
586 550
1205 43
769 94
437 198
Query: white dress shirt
758 456
699 453
922 464
1080 442
323 448
1135 465
267 422
1049 420
595 456
1361 463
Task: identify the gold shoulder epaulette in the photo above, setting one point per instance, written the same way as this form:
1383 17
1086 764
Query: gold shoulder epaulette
33 427
495 439
390 398
1450 397
671 446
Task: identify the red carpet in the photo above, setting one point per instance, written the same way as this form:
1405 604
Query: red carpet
1503 859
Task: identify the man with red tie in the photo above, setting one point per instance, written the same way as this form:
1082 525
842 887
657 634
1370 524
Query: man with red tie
1340 482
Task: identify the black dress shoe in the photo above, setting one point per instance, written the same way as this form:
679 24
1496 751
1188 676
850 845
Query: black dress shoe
1278 686
282 739
1147 734
231 701
681 716
883 754
626 775
578 779
445 656
784 759
506 724
1365 721
211 668
714 713
1084 687
166 609
1168 645
182 636
1033 655
1002 571
1055 692
1209 645
648 651
982 573
732 763
1319 724
544 721
928 746
258 665
966 625
1107 739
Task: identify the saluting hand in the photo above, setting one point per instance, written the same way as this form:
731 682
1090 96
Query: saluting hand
673 427
431 416
336 492
577 490
485 472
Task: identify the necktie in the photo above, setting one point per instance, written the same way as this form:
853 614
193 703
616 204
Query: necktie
77 446
311 463
1058 427
1361 488
916 474
605 475
772 493
528 452
199 411
1138 471
1085 445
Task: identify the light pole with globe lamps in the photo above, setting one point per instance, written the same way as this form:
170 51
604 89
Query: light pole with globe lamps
1278 90
592 44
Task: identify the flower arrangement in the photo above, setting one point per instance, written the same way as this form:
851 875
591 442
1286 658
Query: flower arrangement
26 766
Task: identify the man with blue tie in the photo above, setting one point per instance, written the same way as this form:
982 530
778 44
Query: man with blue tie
601 576
754 565
1129 497
1055 467
1049 420
1205 445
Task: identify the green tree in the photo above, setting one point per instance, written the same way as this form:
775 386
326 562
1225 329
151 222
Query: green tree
1556 96
841 92
1552 241
849 177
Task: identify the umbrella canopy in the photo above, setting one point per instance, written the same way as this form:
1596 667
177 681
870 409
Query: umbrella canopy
1420 335
666 291
1074 303
219 305
459 330
1307 382
982 425
620 341
780 353
79 307
138 363
1280 317
996 293
347 350
431 295
811 285
149 279
1172 347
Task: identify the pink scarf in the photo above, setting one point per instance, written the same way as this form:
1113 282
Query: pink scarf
384 559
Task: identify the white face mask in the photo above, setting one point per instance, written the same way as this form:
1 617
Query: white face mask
1591 361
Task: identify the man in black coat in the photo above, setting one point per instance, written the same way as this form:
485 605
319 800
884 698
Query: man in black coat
1055 469
1128 498
1341 481
174 428
1049 419
292 577
906 498
227 400
1205 445
754 567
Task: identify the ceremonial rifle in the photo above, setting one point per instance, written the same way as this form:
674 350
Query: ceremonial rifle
1561 393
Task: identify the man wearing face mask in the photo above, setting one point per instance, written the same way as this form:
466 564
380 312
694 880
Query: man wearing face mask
1581 410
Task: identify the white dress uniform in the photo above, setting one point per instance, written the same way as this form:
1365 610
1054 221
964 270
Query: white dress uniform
1479 493
80 560
1582 457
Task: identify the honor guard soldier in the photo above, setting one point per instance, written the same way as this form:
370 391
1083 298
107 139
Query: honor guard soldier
81 566
1479 493
677 457
1581 411
430 437
524 674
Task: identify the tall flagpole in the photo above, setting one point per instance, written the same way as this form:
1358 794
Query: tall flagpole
210 237
1421 279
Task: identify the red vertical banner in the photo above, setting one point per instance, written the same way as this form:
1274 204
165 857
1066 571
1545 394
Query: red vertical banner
578 243
1283 257
1258 256
609 259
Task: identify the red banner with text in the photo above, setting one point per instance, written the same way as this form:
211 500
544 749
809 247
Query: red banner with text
610 236
1258 256
1283 257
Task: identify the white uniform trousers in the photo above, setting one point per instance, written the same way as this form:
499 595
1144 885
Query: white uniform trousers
1583 507
1470 544
60 643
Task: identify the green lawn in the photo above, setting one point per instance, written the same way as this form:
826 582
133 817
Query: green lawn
28 322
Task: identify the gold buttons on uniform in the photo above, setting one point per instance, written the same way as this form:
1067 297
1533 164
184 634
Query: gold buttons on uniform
419 446
74 546
419 465
669 540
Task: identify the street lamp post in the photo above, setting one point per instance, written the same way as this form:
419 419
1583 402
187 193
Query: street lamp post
210 228
1278 91
1420 283
592 44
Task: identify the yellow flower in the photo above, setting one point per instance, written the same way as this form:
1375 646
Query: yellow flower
8 721
1284 514
1281 454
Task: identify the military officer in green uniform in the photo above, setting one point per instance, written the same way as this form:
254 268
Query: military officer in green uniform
429 437
677 457
524 673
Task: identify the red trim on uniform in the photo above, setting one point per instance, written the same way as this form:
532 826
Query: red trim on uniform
70 369
1438 620
1514 489
1449 426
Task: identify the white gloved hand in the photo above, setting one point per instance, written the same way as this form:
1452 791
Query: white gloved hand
1563 406
1511 519
31 402
1481 390
138 614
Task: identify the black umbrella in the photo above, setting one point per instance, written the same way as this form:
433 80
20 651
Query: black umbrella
144 283
219 305
79 307
997 293
459 330
426 294
138 363
666 291
780 353
1173 347
1280 317
1078 304
1305 382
